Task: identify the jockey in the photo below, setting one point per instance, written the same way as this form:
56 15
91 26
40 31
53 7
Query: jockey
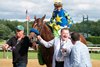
60 18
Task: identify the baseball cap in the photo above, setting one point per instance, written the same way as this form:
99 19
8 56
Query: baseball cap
20 27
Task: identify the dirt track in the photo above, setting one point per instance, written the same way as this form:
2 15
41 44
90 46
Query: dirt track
34 63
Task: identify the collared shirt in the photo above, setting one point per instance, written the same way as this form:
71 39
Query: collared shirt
60 56
80 55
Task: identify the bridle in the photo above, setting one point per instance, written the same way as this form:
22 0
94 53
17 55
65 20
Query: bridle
40 27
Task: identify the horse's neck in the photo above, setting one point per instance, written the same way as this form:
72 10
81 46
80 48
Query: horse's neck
82 39
46 33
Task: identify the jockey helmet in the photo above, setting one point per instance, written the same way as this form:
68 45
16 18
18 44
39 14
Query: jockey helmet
58 4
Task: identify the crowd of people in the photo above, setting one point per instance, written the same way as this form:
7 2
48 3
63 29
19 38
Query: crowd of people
69 51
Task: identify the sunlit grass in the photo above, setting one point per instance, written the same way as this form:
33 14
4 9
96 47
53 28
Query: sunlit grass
95 56
33 55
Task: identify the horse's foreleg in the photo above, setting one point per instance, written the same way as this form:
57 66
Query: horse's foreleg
49 65
34 46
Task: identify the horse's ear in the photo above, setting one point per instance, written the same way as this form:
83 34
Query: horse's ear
35 17
43 17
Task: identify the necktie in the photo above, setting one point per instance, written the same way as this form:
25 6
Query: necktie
59 56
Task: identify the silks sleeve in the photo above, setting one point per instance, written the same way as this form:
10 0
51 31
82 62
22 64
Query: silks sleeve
52 18
70 21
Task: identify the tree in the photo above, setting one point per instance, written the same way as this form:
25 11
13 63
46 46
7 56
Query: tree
5 31
89 27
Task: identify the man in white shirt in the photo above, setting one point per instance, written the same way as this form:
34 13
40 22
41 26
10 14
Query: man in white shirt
59 56
79 54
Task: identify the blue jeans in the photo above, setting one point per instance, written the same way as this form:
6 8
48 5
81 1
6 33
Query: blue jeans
20 64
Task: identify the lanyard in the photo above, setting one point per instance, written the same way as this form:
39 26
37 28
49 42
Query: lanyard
14 47
62 43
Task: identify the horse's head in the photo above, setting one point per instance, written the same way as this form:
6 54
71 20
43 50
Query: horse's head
41 26
38 23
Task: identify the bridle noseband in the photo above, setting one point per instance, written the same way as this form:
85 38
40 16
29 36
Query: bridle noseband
40 27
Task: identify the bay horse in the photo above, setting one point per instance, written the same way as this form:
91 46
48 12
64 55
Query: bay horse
47 35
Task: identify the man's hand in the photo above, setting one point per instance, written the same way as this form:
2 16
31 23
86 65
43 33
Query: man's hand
39 37
63 50
5 46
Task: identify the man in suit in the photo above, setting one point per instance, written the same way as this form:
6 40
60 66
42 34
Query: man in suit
60 55
79 54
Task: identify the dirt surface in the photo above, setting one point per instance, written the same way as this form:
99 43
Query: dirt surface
34 63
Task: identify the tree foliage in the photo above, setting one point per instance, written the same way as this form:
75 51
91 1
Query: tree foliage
89 27
7 28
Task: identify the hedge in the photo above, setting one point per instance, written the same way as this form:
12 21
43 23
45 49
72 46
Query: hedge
93 39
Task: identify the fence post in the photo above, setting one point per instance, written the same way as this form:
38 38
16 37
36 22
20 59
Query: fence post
4 54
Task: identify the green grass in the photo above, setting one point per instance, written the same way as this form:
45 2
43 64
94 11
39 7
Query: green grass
95 56
33 55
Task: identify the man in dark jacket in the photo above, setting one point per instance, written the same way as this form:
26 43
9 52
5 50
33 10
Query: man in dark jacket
19 45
